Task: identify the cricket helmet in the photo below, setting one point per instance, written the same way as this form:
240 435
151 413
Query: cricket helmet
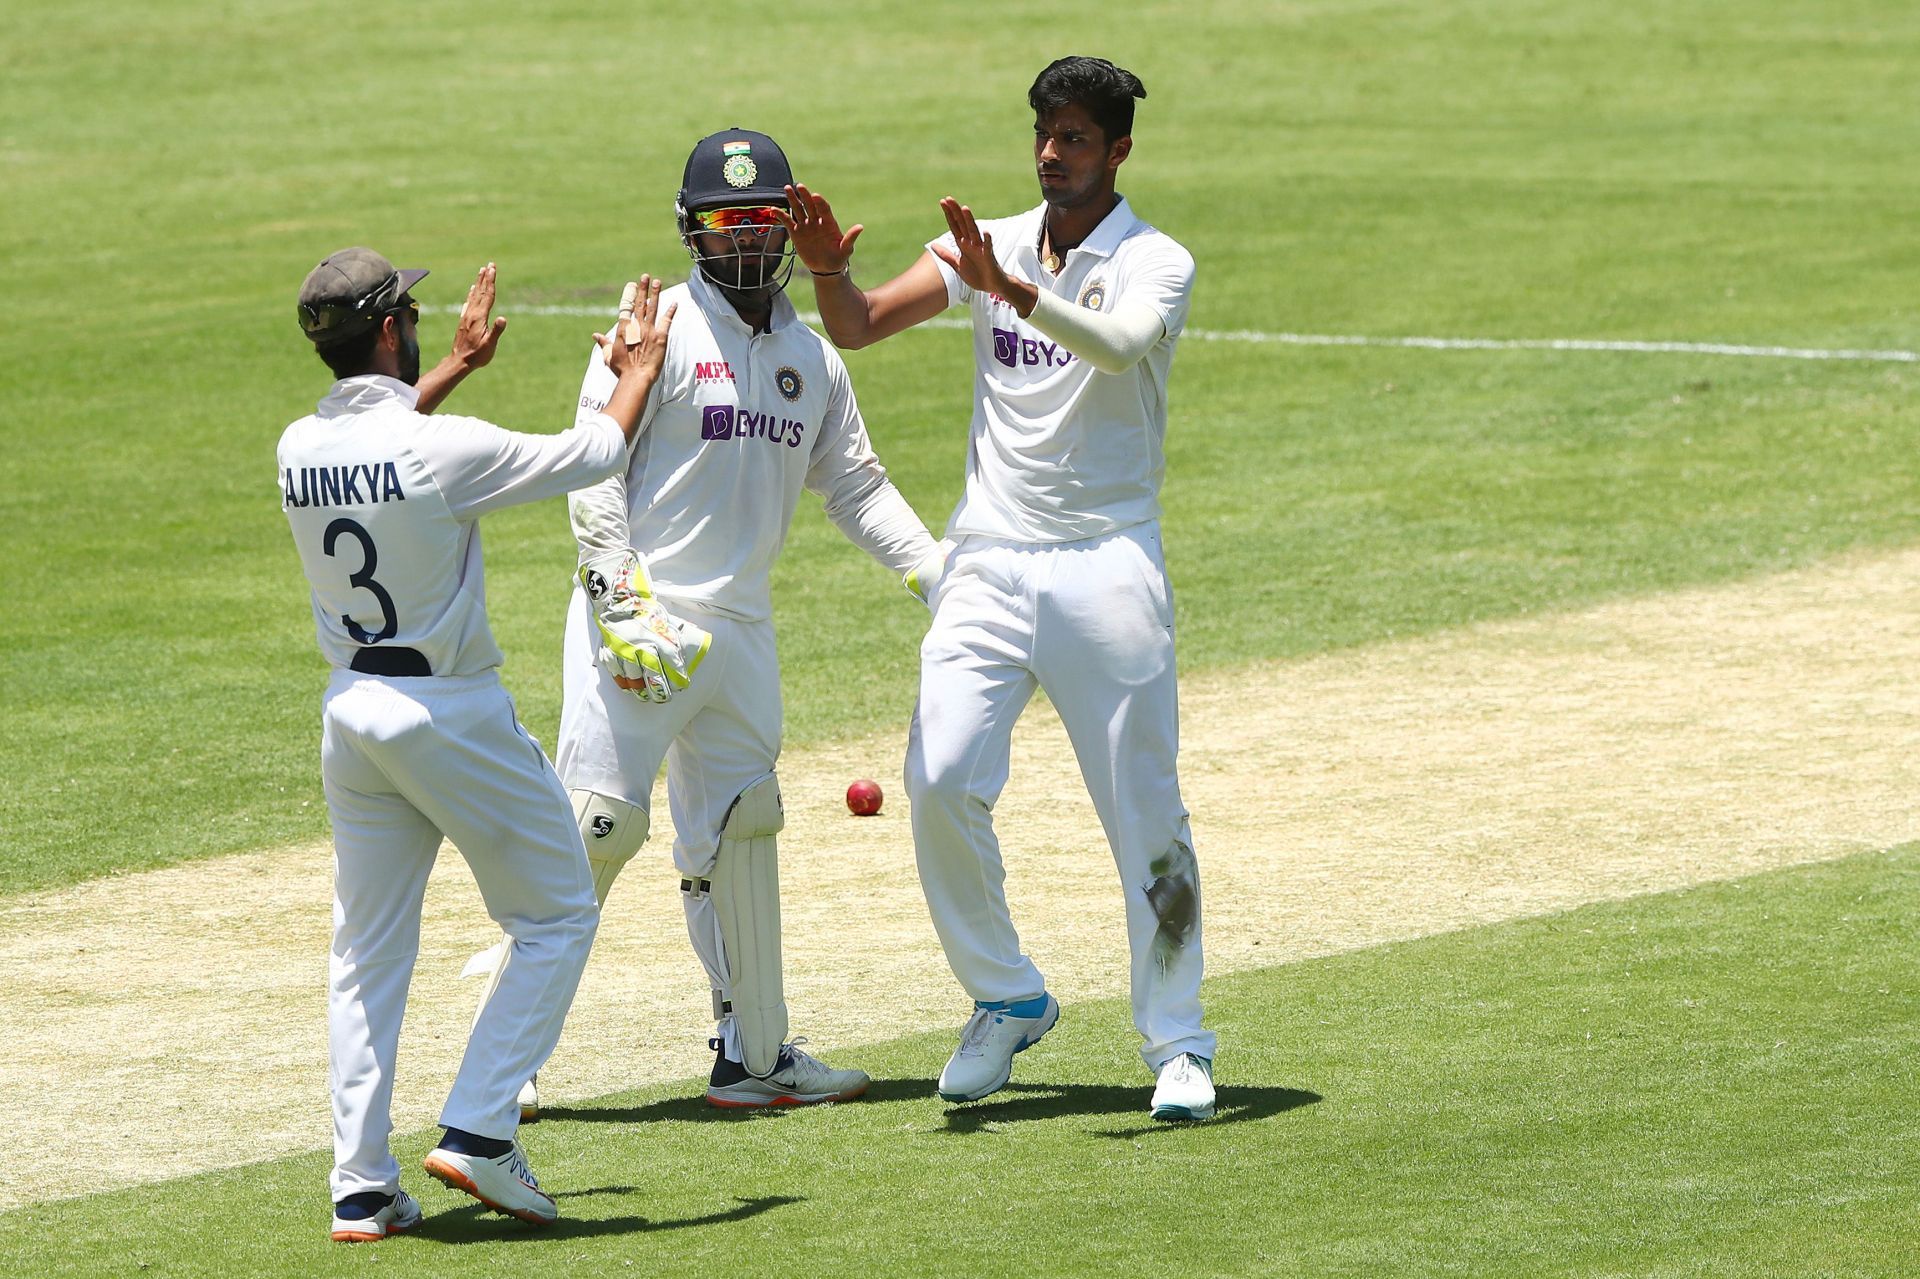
732 178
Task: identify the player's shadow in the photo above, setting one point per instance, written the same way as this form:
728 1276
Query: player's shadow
1237 1104
695 1109
1018 1103
473 1223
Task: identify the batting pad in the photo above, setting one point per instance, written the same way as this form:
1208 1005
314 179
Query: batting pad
746 900
612 830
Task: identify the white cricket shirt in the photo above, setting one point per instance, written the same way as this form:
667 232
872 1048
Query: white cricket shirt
1058 450
383 499
737 424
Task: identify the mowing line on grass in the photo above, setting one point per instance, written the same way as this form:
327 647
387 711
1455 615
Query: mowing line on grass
1623 345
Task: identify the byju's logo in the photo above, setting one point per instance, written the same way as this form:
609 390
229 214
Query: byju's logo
1006 347
726 422
1012 350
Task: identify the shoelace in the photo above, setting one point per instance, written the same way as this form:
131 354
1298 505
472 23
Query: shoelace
978 1027
1185 1069
517 1165
804 1066
797 1057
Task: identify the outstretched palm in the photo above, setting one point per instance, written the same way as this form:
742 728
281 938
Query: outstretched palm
971 256
474 338
816 235
638 339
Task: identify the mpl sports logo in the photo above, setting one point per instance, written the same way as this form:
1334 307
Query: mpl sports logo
725 422
705 371
1015 351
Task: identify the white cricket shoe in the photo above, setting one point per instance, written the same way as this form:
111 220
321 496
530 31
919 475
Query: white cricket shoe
798 1079
530 1100
503 1183
1185 1088
396 1218
983 1062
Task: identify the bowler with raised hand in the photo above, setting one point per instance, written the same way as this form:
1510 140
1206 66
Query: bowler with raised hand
1055 579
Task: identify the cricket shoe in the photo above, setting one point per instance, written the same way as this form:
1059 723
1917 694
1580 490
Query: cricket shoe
1185 1089
798 1079
530 1100
503 1183
983 1062
356 1220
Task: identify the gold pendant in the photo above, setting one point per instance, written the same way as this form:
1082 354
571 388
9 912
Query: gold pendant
1051 262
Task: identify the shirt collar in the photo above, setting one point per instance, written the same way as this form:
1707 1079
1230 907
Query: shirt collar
1106 237
717 305
1112 229
368 391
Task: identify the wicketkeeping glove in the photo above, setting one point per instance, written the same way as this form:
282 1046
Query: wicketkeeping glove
923 579
646 649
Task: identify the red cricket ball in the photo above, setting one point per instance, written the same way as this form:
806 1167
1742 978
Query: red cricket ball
863 797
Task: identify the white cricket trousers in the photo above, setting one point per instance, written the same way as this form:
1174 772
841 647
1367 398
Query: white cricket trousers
717 736
405 761
1090 622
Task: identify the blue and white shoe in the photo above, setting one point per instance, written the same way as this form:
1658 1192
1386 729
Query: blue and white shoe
1184 1092
356 1220
983 1062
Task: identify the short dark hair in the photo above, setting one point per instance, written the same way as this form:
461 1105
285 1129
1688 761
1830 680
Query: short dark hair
1106 91
353 356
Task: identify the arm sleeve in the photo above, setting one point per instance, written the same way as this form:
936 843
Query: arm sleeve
1152 303
860 499
599 516
480 467
599 513
1112 342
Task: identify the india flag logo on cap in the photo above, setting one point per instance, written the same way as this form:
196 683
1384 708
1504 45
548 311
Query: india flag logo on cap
739 169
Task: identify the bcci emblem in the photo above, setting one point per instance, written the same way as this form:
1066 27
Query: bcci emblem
739 169
1093 295
789 381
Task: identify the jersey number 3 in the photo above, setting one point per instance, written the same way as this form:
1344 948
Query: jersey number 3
389 624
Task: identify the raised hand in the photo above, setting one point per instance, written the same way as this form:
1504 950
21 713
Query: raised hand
971 256
815 232
474 339
638 342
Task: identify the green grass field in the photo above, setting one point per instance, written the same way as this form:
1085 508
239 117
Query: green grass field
1716 1083
1702 171
1710 1083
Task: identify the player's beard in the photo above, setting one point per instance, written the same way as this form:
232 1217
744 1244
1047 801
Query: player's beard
753 279
1069 197
410 358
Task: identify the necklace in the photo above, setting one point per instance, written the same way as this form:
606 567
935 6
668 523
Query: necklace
1049 256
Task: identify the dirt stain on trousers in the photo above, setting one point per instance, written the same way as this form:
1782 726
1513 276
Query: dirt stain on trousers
1174 894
